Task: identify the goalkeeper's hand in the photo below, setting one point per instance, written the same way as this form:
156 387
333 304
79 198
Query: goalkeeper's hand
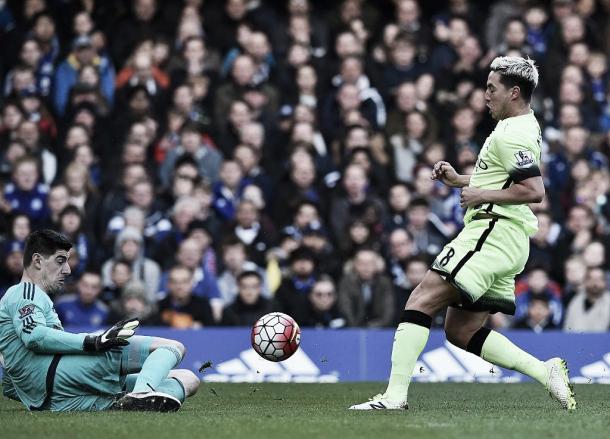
111 338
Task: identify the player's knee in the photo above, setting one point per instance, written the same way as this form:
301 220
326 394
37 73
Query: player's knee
188 379
168 343
178 345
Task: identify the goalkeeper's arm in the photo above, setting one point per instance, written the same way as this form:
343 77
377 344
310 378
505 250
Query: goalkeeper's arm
41 339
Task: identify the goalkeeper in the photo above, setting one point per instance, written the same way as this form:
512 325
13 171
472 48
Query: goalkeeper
46 368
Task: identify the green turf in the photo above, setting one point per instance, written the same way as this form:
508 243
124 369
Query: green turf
314 411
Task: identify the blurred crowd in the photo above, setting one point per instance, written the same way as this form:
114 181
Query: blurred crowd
216 160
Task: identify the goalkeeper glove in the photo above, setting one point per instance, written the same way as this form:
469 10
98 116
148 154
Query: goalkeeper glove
111 338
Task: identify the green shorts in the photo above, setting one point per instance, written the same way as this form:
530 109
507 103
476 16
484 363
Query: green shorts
482 262
91 382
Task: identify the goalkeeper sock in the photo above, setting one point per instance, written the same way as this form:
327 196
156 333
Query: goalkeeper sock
409 341
499 350
156 367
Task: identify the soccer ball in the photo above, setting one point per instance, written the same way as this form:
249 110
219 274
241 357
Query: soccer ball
275 336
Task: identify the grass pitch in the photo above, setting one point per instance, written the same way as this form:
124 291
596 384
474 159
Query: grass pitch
312 411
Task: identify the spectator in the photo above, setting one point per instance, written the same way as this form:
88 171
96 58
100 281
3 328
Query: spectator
120 276
399 198
539 316
12 266
28 133
85 307
400 249
129 246
575 270
249 305
292 295
83 53
190 255
365 293
181 309
235 262
589 311
428 235
26 194
538 284
323 307
254 230
71 224
132 304
228 189
207 158
356 202
315 237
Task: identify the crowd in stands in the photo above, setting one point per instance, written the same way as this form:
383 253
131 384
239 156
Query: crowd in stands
216 160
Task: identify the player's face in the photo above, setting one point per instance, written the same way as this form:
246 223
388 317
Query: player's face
54 270
497 96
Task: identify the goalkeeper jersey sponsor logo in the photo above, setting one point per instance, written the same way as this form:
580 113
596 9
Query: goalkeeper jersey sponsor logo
26 311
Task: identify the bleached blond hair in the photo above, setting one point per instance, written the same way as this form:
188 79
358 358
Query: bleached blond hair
521 71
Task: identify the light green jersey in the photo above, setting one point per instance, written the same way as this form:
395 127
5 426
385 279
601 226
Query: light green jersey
21 308
510 154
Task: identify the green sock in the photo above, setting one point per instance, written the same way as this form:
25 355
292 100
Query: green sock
499 350
156 367
409 342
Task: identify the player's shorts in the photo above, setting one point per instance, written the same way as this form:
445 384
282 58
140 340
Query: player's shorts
482 262
94 382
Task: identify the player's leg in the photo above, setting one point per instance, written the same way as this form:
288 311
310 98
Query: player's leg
153 358
180 383
465 330
429 297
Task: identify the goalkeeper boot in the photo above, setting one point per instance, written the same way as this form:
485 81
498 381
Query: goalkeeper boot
558 383
149 402
380 402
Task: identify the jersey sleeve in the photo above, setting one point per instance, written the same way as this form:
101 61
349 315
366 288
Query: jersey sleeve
30 325
518 156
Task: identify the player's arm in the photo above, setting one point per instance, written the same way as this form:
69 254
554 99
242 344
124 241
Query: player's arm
530 190
30 325
446 174
525 184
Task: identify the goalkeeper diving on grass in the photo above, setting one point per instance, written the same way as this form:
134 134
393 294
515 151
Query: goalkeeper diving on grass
474 275
47 368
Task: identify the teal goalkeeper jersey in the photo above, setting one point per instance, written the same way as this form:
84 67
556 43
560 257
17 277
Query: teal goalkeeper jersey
510 154
30 333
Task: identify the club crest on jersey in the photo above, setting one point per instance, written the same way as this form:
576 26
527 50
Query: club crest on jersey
26 311
524 159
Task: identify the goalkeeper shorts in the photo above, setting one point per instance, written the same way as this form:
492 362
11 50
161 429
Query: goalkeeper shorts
93 382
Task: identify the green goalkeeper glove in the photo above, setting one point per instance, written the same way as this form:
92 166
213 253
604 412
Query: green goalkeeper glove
111 338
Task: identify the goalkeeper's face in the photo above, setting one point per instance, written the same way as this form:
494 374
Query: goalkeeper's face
54 270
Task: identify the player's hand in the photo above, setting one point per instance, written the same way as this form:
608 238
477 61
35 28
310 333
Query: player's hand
471 196
111 338
446 174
